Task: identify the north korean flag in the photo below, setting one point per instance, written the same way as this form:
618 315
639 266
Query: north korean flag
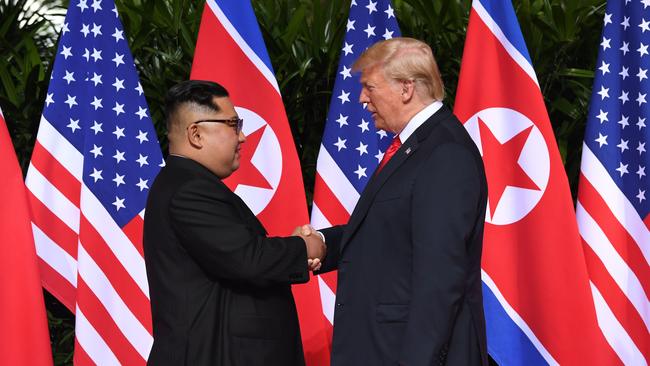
230 50
537 296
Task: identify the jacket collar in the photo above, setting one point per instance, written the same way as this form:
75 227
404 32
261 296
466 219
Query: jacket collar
419 118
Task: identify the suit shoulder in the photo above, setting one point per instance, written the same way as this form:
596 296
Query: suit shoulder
179 177
450 130
178 171
454 127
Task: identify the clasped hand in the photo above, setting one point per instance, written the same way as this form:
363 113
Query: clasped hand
316 248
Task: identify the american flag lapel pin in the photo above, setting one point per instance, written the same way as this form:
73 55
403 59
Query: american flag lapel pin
408 151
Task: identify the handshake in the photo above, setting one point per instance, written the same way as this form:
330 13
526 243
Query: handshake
316 248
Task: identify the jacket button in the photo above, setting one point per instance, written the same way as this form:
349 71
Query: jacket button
339 304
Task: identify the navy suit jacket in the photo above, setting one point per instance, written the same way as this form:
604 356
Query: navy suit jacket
409 275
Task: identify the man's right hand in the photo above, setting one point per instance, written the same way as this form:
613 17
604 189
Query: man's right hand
316 248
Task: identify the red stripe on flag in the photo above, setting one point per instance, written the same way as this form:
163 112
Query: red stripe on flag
620 305
81 358
335 214
315 329
133 230
56 173
54 228
330 206
328 203
119 278
103 323
621 240
57 285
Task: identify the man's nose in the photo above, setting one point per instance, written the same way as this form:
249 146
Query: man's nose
363 97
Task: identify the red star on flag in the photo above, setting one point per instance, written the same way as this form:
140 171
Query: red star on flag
248 174
501 163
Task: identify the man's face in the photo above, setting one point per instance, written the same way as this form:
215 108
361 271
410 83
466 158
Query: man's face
383 97
220 142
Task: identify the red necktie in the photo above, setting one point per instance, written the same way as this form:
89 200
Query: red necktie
392 149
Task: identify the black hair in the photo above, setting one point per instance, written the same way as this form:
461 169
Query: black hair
198 92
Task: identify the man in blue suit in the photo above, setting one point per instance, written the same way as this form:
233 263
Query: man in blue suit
409 259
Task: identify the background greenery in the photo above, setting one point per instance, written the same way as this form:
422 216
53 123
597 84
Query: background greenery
303 38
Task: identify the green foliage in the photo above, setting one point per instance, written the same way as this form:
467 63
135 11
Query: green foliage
26 44
304 39
442 24
61 323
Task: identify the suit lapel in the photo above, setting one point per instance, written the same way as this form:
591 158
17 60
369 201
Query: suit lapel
407 150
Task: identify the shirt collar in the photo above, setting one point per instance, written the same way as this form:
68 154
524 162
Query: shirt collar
419 119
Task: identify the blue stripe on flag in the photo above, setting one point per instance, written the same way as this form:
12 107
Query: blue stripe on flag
508 344
242 17
504 15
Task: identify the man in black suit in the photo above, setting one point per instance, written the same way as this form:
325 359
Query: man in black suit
220 288
409 259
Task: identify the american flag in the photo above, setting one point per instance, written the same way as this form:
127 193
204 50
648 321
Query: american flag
613 198
351 147
95 157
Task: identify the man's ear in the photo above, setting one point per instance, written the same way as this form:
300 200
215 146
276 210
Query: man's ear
408 89
194 136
